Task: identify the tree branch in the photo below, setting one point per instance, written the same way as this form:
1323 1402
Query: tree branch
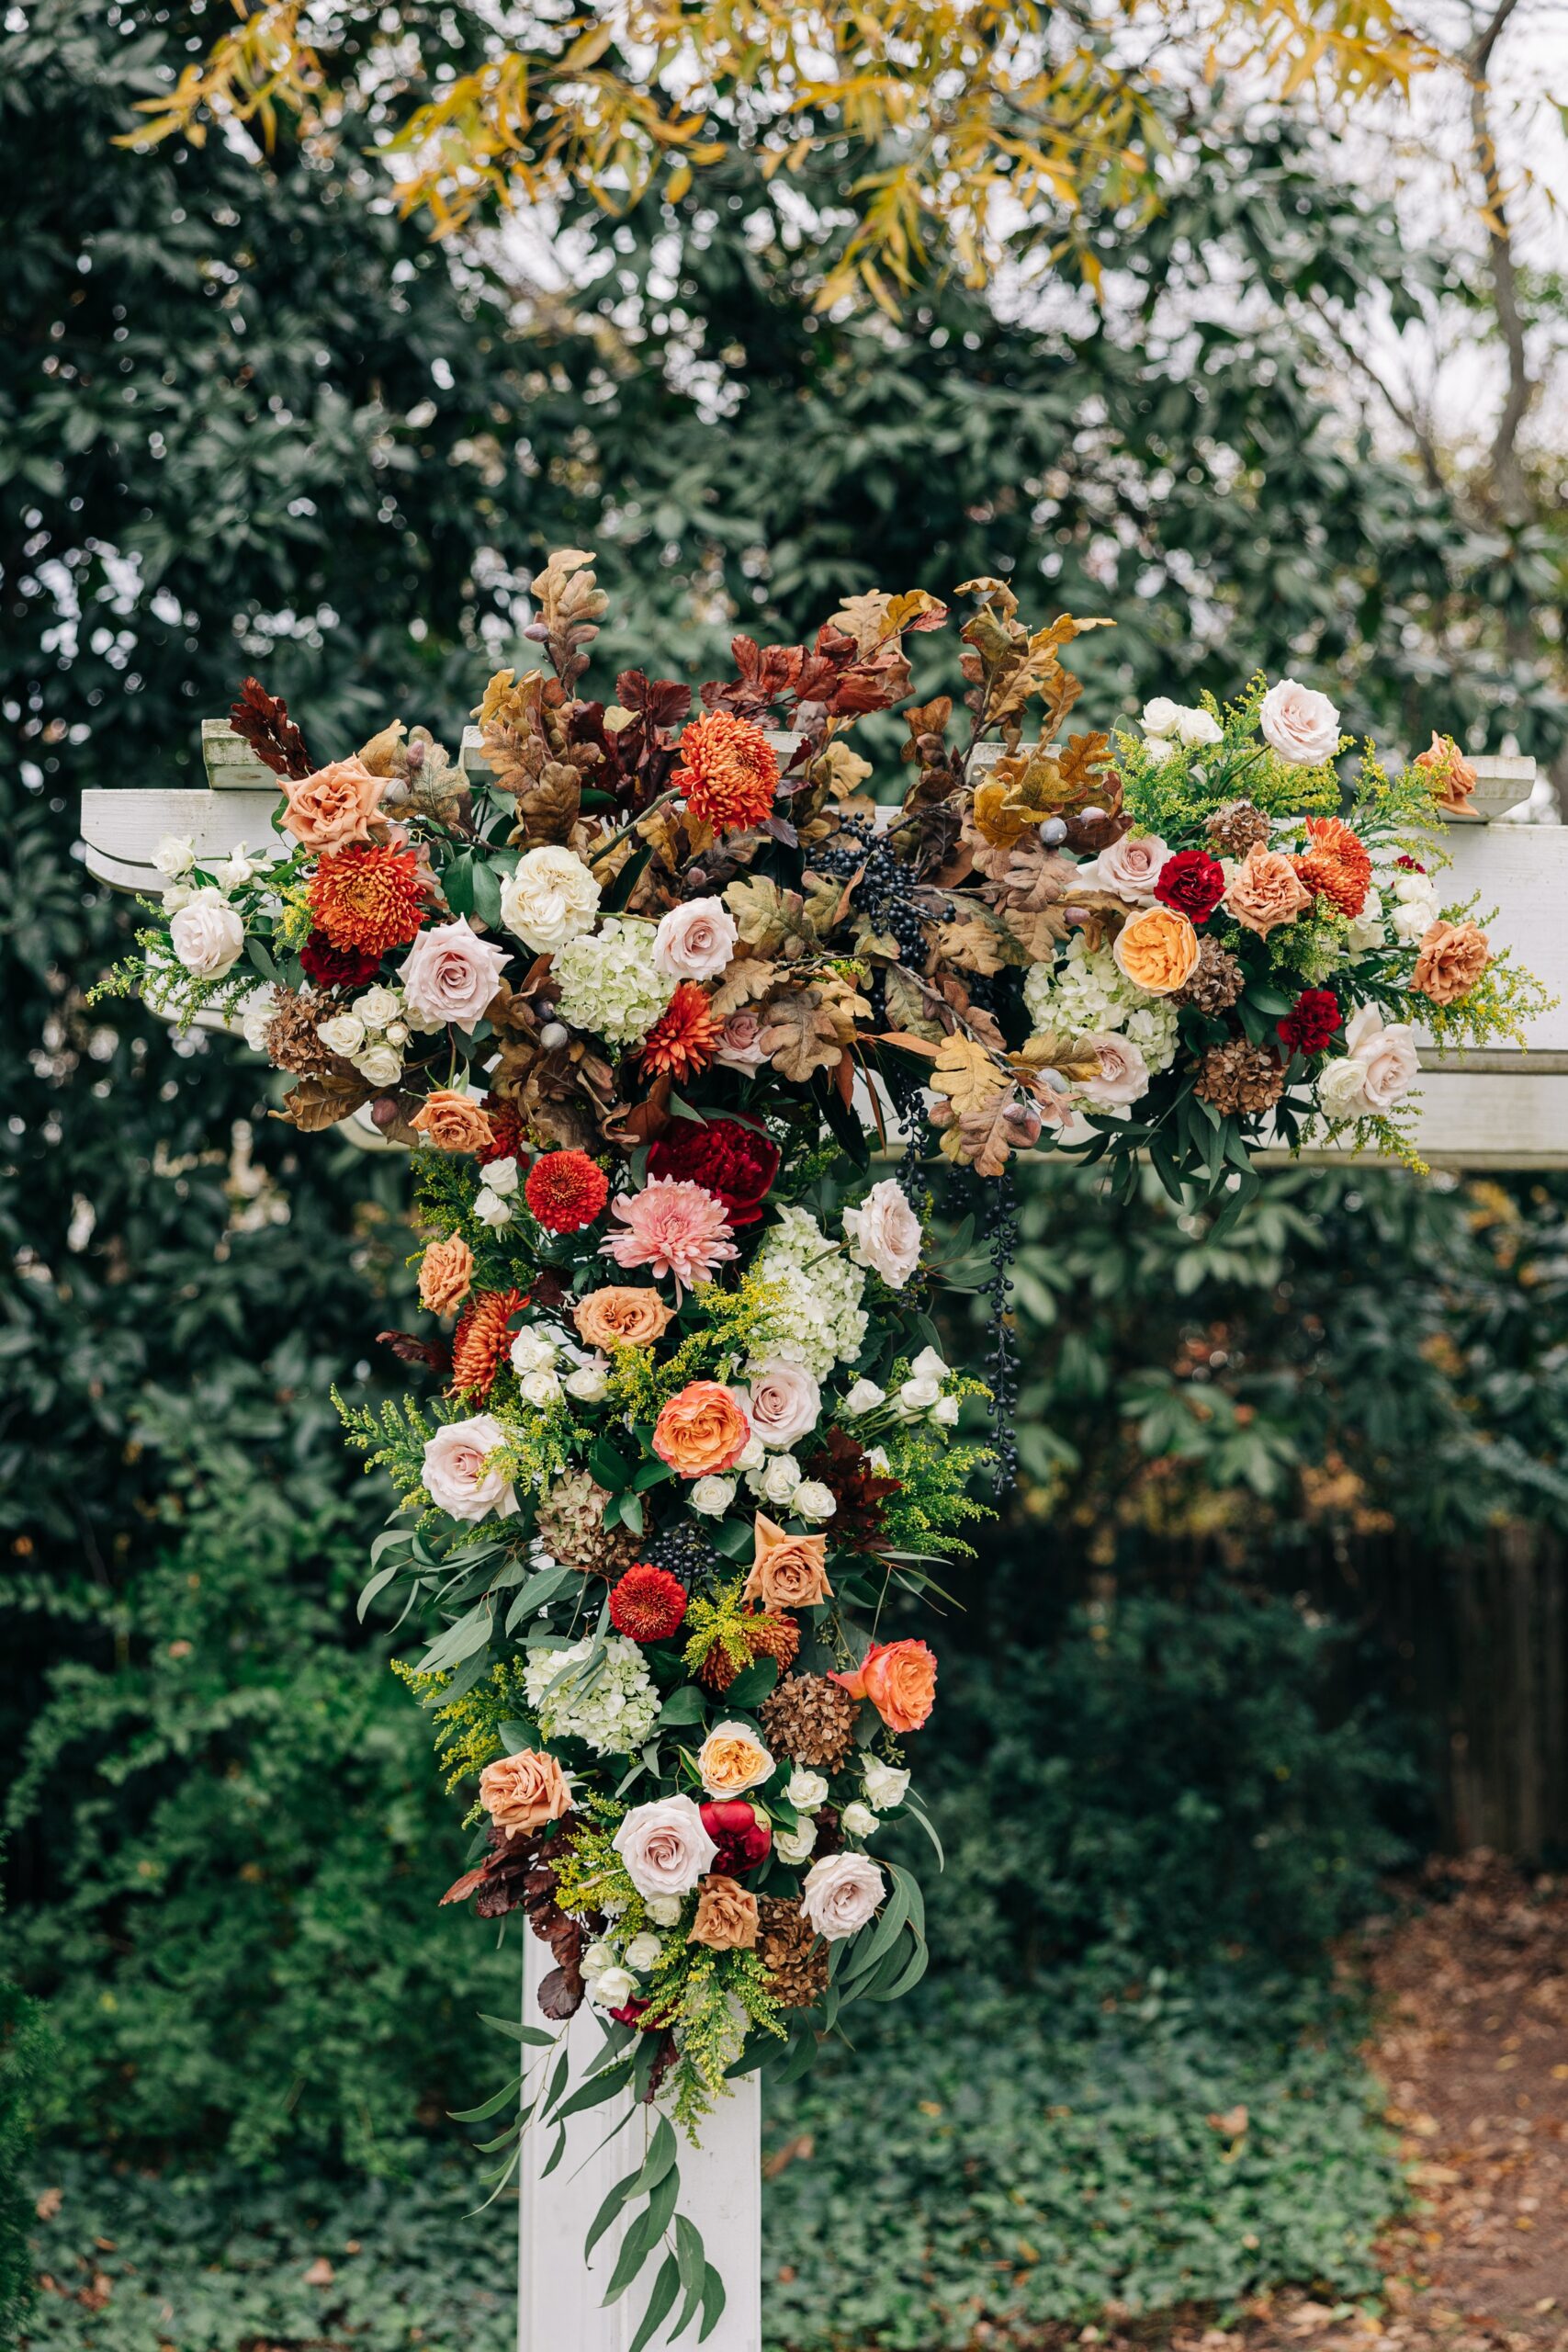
1509 486
1406 413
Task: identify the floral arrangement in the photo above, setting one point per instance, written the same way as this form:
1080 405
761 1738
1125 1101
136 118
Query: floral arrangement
664 1002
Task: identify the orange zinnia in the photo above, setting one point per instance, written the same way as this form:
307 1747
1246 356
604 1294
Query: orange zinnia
369 896
728 771
1335 863
682 1041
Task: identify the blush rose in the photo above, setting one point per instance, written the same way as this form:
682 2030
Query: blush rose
450 975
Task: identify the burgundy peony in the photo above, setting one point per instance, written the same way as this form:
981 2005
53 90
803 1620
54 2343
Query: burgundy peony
1311 1021
337 968
734 1162
744 1840
1192 882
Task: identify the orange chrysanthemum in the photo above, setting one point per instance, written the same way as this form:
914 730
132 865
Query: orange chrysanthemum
481 1341
728 771
1335 863
682 1041
369 896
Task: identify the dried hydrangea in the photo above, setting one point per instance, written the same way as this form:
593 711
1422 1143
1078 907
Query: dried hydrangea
612 1709
1086 992
816 1319
610 983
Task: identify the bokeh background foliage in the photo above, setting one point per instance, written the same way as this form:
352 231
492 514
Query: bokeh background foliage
248 419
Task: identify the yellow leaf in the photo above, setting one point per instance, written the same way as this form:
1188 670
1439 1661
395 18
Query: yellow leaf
966 1074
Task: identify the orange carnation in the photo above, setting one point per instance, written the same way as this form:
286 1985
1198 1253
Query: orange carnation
701 1430
1335 863
481 1340
445 1272
728 771
788 1571
683 1039
899 1678
621 1317
1452 959
454 1121
369 896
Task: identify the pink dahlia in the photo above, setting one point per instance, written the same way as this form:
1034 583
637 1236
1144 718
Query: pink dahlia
677 1228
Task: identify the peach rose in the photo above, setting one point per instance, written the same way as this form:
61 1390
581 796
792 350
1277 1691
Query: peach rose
1157 950
1265 890
1452 959
899 1678
788 1571
701 1430
1453 779
445 1272
732 1760
727 1916
621 1317
334 805
454 1121
522 1793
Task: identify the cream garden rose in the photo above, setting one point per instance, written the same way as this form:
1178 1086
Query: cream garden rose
207 936
784 1403
1300 725
732 1760
451 975
551 898
841 1895
695 941
1130 867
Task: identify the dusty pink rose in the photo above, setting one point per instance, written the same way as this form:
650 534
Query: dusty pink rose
696 942
678 1229
1265 890
884 1234
456 1477
738 1046
664 1846
334 805
841 1895
1302 726
785 1404
451 975
1130 867
1123 1076
522 1793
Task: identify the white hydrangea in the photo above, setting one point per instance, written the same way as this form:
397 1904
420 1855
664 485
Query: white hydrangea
1087 992
610 983
615 1711
817 1320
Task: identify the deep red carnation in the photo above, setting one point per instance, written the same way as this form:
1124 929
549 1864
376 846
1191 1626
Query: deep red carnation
734 1162
1311 1021
566 1190
1192 882
648 1604
743 1837
337 968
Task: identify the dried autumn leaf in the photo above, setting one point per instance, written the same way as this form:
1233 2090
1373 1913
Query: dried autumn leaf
863 618
318 1103
765 916
979 942
907 1007
966 1074
379 753
800 1035
746 981
915 611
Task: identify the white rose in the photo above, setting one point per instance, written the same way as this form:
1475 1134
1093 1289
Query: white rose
489 1208
859 1821
841 1895
696 941
928 1361
945 1411
177 895
1302 726
551 900
596 1959
864 1397
884 1234
794 1845
664 1910
533 1351
786 1403
779 1480
236 869
539 1387
501 1175
1158 748
377 1007
1196 726
397 1033
642 1954
343 1034
380 1065
1161 717
207 936
806 1790
254 1015
918 1393
590 1384
753 1454
175 855
664 1846
1366 929
885 1785
455 1474
712 1496
877 1456
1339 1088
614 1987
814 1500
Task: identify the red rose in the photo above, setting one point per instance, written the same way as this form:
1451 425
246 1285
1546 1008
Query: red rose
337 968
1192 882
734 1162
744 1840
1311 1021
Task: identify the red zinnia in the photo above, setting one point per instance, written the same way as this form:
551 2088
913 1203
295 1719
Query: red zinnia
682 1041
337 968
1311 1021
728 771
734 1162
648 1604
1192 882
566 1190
369 896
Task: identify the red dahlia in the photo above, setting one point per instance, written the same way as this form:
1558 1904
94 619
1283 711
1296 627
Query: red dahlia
565 1191
1192 882
648 1604
1311 1021
337 968
734 1162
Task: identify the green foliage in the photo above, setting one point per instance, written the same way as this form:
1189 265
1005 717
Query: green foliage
25 2057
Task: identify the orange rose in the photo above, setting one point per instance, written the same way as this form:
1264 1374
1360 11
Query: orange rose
334 805
701 1430
620 1316
522 1793
445 1272
788 1571
727 1918
454 1123
1265 890
1452 959
1157 950
899 1678
732 1760
1453 779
